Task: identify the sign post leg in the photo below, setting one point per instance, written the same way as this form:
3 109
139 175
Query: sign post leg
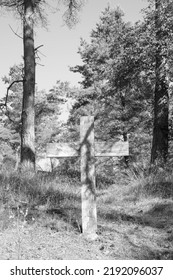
88 192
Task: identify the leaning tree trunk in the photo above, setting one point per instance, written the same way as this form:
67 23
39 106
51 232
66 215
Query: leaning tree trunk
159 151
28 114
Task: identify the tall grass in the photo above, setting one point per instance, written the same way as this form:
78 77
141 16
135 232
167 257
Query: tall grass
39 191
54 201
62 190
145 182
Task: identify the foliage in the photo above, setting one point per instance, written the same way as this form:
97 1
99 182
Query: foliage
11 114
118 85
162 39
119 68
52 110
118 71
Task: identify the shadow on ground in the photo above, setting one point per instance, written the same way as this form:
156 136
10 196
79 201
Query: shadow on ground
147 234
159 216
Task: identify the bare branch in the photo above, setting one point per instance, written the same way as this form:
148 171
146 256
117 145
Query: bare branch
15 32
16 81
37 55
40 64
5 104
42 54
38 48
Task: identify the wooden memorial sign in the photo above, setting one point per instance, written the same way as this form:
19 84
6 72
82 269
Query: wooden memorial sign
87 149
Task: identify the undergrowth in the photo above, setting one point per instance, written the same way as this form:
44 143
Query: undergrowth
62 190
145 182
54 198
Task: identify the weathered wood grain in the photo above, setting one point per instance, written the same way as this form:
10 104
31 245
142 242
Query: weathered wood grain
111 149
62 150
102 149
88 191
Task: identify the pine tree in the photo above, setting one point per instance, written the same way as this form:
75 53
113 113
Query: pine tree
117 70
27 10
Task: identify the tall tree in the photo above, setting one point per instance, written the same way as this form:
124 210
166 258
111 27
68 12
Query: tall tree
27 10
159 150
117 65
28 112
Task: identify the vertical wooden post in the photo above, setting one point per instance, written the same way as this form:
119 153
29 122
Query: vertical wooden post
88 192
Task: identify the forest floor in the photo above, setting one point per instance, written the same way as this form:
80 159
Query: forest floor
128 228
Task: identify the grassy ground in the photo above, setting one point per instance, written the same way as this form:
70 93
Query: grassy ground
40 218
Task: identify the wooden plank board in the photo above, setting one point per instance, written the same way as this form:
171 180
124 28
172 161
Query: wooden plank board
102 149
111 149
62 150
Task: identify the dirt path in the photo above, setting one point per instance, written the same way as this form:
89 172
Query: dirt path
36 242
127 237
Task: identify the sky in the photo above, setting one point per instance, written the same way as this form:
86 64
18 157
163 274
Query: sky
60 44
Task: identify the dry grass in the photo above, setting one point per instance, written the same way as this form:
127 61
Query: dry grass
140 228
135 221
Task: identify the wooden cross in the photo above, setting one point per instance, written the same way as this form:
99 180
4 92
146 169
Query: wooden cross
87 149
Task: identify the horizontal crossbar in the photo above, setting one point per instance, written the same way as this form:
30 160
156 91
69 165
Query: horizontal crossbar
102 149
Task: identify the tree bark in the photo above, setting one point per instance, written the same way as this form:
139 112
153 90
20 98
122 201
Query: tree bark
159 151
28 113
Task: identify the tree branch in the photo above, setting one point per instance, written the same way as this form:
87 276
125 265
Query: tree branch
38 48
5 104
36 54
15 32
11 3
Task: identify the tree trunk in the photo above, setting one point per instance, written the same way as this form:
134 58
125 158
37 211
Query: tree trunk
28 114
124 119
159 149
